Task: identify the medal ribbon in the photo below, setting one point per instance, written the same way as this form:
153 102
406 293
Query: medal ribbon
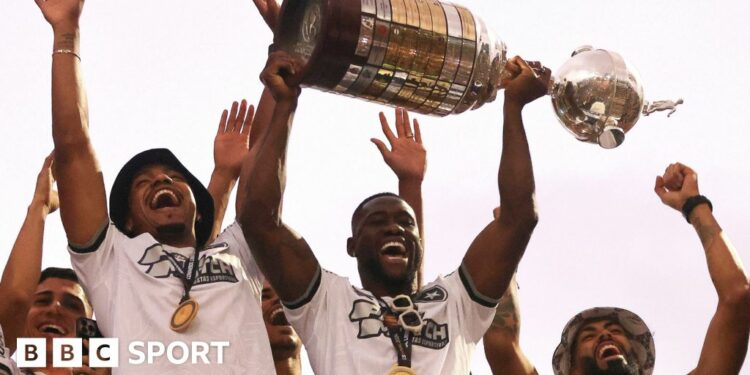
188 276
400 338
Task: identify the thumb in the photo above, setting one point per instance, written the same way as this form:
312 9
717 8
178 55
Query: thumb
381 146
659 188
690 182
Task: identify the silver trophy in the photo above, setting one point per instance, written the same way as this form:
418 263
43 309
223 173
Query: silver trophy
437 58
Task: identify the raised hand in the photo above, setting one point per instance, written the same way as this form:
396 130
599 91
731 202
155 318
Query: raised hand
269 10
44 193
232 141
280 77
407 156
528 81
678 183
61 13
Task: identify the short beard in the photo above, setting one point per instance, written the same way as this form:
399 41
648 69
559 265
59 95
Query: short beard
394 285
614 367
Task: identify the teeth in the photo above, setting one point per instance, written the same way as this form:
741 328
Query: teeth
394 244
607 347
162 192
51 328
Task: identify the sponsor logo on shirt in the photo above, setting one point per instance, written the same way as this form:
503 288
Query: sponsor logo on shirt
369 316
211 269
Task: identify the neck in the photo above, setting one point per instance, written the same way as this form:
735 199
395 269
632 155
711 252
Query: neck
379 288
288 366
175 238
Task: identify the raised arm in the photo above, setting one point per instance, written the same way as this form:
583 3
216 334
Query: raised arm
231 146
21 274
284 256
83 207
725 345
407 158
502 341
494 255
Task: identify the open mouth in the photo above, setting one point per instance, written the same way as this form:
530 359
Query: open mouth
393 249
608 352
164 198
52 329
278 318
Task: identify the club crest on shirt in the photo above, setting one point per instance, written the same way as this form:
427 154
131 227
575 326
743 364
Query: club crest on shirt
433 294
162 264
369 316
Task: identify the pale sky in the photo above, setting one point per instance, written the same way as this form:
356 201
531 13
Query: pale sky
159 73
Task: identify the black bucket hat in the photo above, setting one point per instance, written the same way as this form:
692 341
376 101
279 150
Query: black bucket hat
118 198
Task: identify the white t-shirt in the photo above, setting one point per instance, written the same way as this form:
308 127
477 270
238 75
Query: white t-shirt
342 326
7 365
134 286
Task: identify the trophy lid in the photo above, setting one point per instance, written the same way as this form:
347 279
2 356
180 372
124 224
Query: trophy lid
597 96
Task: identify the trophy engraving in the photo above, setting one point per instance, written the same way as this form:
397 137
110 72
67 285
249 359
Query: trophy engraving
438 58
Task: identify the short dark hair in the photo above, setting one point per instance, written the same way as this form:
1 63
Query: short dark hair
367 200
64 274
58 273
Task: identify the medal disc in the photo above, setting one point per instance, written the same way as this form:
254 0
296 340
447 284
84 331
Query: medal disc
401 370
184 315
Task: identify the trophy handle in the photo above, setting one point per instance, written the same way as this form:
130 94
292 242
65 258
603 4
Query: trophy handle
661 105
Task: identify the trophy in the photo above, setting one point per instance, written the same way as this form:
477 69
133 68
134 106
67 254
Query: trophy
437 58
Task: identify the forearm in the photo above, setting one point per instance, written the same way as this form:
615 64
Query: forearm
411 191
263 117
515 177
69 104
22 270
265 186
724 264
220 187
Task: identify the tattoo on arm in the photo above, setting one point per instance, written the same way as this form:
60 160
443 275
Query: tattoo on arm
507 317
707 230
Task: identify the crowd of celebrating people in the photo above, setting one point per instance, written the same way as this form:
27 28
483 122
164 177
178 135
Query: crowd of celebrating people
156 246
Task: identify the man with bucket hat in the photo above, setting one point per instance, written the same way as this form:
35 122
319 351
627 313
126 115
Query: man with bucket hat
611 340
154 274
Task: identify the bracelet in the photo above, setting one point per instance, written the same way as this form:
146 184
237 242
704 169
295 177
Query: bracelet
692 202
66 51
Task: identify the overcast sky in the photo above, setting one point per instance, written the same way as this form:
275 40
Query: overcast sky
159 74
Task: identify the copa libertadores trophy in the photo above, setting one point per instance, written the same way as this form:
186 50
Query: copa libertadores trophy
437 58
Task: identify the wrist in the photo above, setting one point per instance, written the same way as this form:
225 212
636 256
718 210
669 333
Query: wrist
225 174
411 180
38 205
68 27
511 104
695 205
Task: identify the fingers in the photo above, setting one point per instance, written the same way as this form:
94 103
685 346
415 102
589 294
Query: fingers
417 132
232 117
407 124
659 188
237 123
381 146
386 129
222 122
400 122
248 120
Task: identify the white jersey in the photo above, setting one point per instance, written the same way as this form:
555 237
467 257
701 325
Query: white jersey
134 285
342 326
7 365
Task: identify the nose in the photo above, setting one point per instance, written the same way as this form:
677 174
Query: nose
394 229
163 178
605 335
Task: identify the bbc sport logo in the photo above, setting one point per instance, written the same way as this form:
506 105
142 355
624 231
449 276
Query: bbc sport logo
104 352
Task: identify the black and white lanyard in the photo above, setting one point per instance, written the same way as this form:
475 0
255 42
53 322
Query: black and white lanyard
400 338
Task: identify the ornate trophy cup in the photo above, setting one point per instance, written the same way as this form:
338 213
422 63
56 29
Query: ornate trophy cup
437 58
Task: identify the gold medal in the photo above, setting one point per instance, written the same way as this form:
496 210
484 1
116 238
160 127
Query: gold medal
401 370
184 315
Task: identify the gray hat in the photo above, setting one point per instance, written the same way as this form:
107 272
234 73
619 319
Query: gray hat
640 337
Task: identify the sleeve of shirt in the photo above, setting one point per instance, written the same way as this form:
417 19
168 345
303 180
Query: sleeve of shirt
235 238
94 263
312 308
474 310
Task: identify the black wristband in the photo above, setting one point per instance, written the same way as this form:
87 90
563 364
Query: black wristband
692 202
